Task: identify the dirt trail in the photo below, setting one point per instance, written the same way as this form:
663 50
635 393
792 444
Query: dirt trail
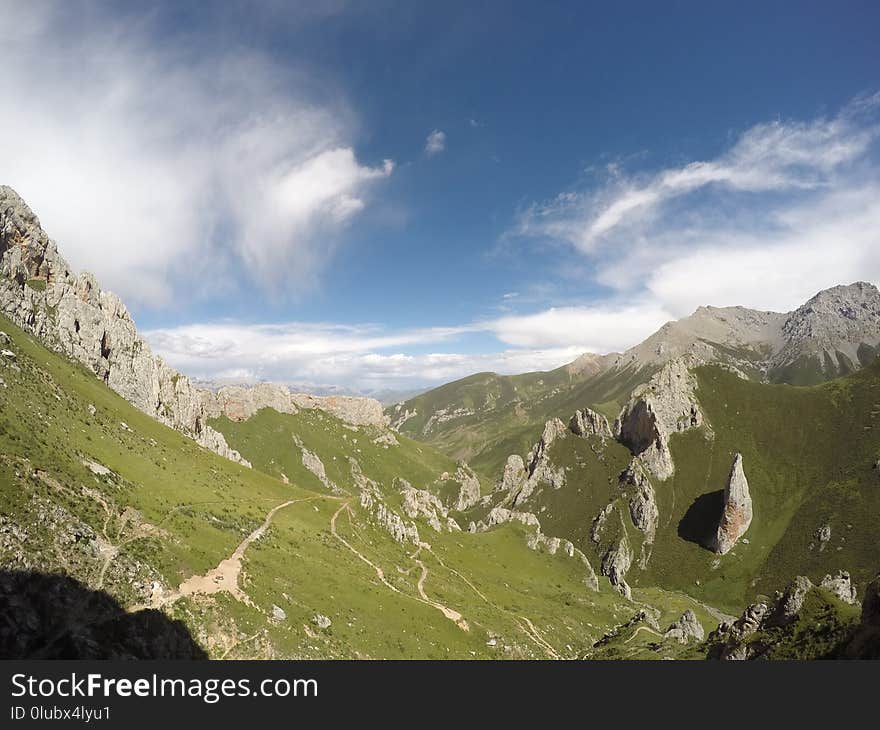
225 577
449 613
525 624
536 637
643 628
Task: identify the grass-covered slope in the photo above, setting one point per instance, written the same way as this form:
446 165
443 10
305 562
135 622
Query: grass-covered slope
273 442
809 454
93 488
486 417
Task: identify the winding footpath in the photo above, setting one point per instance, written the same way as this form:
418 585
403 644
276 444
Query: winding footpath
449 613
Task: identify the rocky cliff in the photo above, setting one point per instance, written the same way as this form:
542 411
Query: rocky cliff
666 404
238 403
72 315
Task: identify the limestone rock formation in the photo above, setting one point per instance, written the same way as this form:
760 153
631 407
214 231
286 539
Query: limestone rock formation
500 515
313 463
642 500
599 522
540 468
615 564
737 514
356 410
666 404
738 640
791 601
514 475
586 422
730 639
469 492
686 628
70 314
421 503
841 586
239 403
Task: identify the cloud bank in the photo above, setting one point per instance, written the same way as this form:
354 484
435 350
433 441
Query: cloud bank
169 167
789 209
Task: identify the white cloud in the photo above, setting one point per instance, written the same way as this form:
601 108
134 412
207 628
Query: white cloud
369 357
602 328
790 209
435 142
168 168
773 157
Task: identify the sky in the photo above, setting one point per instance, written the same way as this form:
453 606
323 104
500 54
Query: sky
392 195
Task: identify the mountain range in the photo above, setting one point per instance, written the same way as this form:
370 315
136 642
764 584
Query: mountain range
711 492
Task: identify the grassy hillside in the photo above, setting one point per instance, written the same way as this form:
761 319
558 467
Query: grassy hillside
809 454
486 417
92 488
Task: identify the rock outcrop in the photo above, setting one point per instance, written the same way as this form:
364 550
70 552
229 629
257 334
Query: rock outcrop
514 475
586 422
539 467
737 514
840 584
791 601
666 404
469 491
642 500
239 403
356 410
686 628
615 564
70 314
313 463
501 515
421 503
764 626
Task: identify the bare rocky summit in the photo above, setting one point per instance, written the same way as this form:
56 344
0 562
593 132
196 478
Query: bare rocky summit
836 331
843 321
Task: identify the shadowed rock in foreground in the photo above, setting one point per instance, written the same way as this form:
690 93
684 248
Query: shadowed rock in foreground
57 617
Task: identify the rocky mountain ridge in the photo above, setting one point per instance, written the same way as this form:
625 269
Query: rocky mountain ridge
834 332
72 315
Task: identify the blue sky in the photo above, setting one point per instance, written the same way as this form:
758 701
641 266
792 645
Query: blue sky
392 195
